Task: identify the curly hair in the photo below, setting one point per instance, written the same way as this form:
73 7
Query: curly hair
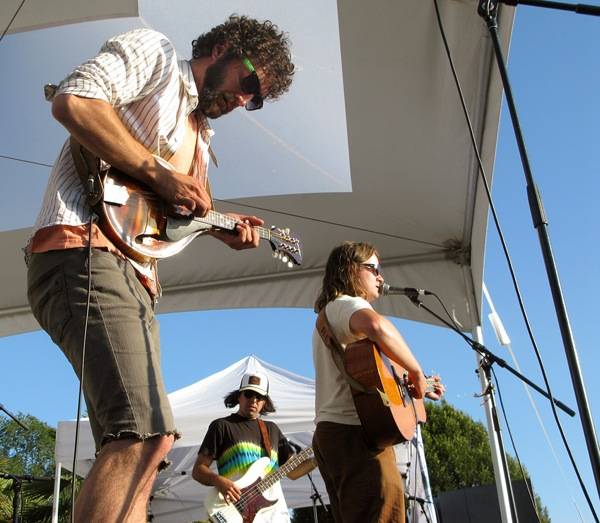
262 42
341 272
233 398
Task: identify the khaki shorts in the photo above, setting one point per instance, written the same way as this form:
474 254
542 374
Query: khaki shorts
123 384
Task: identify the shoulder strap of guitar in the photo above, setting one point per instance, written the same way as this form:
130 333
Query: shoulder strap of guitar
337 352
87 166
203 128
264 433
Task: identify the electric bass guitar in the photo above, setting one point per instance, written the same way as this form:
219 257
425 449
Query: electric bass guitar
138 222
389 414
260 492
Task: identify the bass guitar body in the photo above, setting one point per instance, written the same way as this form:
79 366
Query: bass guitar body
390 415
257 505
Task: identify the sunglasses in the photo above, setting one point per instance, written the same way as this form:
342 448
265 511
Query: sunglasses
372 268
251 85
249 394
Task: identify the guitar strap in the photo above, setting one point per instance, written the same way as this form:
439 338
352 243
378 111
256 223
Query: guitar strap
203 127
337 352
264 433
87 166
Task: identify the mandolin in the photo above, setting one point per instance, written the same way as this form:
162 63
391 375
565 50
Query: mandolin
139 223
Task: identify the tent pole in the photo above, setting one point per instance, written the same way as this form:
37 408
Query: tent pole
498 458
55 499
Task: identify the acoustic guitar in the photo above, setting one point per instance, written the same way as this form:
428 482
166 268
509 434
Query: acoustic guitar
260 493
389 415
139 223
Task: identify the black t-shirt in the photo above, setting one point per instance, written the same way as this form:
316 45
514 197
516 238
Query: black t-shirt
235 442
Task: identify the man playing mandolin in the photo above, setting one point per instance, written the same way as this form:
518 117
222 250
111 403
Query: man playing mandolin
143 111
362 481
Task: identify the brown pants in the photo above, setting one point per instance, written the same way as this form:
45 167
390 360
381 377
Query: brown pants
363 484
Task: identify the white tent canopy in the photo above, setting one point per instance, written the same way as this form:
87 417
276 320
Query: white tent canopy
372 133
176 496
370 144
40 14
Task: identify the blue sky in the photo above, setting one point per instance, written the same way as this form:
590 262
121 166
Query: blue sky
554 69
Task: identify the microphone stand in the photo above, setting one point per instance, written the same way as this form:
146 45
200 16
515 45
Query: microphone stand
582 9
492 358
488 11
15 419
316 496
17 485
488 359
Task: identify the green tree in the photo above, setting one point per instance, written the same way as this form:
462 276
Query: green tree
38 497
5 493
27 451
458 453
30 453
457 449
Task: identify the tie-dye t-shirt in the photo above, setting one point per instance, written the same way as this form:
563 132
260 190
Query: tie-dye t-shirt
235 443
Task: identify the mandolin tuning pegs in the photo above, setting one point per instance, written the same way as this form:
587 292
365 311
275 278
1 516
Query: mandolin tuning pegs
275 255
284 259
290 264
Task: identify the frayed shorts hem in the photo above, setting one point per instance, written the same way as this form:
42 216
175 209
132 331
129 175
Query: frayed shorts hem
131 434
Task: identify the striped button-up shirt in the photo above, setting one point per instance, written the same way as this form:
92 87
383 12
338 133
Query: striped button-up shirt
153 94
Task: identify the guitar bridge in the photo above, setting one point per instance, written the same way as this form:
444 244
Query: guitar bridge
401 383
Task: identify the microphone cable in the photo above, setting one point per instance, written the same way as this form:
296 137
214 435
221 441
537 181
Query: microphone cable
11 21
512 441
282 213
82 367
508 259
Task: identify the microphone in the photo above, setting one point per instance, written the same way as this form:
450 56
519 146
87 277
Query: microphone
411 292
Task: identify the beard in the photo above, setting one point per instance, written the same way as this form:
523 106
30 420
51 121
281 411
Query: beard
211 93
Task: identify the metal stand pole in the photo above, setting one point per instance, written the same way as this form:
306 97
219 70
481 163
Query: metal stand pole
315 496
488 11
56 498
14 418
16 487
503 485
488 359
314 502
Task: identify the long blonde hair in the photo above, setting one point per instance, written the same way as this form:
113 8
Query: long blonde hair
341 272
